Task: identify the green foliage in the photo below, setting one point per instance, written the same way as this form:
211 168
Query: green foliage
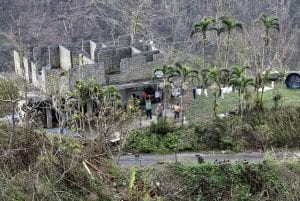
131 181
268 22
161 127
8 90
256 130
141 142
277 97
202 27
234 181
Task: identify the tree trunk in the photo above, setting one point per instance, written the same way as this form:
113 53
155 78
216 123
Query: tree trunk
165 99
263 60
12 136
203 54
181 103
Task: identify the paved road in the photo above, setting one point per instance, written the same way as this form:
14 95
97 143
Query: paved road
150 159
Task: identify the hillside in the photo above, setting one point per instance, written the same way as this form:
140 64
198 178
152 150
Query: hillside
167 22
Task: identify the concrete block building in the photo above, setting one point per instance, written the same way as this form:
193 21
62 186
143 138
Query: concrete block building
54 69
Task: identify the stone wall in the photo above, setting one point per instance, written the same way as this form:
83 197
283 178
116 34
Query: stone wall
65 58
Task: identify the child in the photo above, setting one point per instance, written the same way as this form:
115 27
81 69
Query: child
177 110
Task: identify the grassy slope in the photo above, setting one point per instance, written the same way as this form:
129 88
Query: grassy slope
202 108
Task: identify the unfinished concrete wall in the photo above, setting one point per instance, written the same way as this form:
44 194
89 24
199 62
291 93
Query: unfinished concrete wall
86 72
125 40
52 81
105 56
35 75
149 55
86 46
65 58
93 47
18 64
29 52
27 69
54 59
138 45
136 68
41 56
86 60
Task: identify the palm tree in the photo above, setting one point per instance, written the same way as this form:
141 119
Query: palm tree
214 75
205 80
269 23
185 74
202 27
164 73
229 24
242 82
219 31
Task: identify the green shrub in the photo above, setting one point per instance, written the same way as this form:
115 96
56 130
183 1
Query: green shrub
162 127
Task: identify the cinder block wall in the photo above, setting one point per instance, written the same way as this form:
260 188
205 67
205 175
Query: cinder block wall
86 46
136 68
27 69
125 40
41 57
86 72
65 58
18 64
106 56
93 47
54 59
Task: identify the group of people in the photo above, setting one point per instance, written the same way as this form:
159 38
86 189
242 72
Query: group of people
160 109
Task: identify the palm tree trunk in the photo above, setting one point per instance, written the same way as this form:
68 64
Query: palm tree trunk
263 60
215 104
227 52
219 52
12 136
203 53
165 99
181 104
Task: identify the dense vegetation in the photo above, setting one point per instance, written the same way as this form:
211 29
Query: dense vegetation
256 131
40 167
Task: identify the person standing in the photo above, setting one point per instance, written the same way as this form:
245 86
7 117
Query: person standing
160 110
177 110
148 107
194 93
